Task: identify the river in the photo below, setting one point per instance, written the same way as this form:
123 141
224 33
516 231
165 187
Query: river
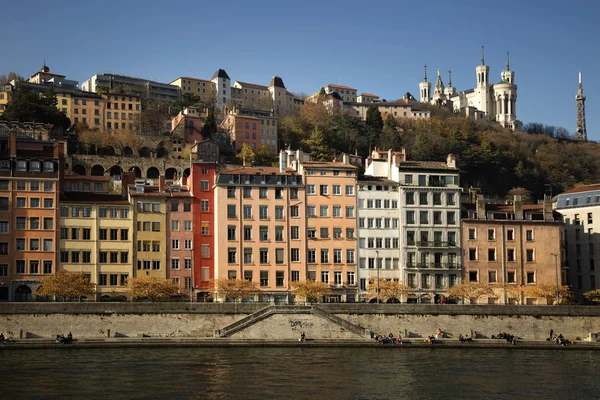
298 373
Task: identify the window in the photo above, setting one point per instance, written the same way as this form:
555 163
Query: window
48 245
423 217
323 190
279 256
349 190
175 225
174 206
156 227
264 278
324 211
34 202
175 244
34 223
295 255
472 254
349 211
310 189
114 234
473 276
530 255
451 218
510 255
279 212
510 234
336 190
263 212
325 276
174 263
511 277
311 256
204 187
337 256
48 223
491 234
530 277
529 235
491 254
20 266
34 267
325 256
204 205
155 207
423 198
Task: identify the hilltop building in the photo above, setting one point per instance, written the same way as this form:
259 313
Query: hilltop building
580 130
128 84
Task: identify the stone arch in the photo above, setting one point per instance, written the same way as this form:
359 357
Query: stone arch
92 150
79 169
393 300
186 173
171 173
106 151
127 151
144 152
373 300
136 171
116 171
97 170
23 293
152 173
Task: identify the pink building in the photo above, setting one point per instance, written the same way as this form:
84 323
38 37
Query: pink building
180 236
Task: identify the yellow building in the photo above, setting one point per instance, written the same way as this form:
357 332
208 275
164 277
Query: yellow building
96 233
121 111
203 88
82 107
149 230
5 93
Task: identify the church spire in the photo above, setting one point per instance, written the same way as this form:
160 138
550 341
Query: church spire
507 62
580 130
449 78
482 57
425 76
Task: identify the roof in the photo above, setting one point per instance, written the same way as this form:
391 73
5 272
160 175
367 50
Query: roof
425 165
327 164
90 197
580 189
376 179
252 85
258 170
368 95
220 73
188 77
340 86
277 82
504 207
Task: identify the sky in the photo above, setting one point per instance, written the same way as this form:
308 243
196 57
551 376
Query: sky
376 47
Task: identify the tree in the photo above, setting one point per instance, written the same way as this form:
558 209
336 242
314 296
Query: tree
152 288
233 289
374 123
66 285
471 291
310 290
154 117
388 289
27 106
12 76
548 291
593 296
524 193
188 100
265 156
246 154
390 139
319 149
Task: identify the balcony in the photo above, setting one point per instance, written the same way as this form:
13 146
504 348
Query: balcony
447 266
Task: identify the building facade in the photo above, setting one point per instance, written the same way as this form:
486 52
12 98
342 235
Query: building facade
180 237
252 127
205 89
259 229
30 177
510 246
122 112
580 209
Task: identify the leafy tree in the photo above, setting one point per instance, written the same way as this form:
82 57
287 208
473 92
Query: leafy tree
319 149
390 139
210 124
12 76
593 296
246 154
548 291
374 123
152 288
233 289
310 290
388 289
188 100
27 106
470 291
66 285
265 156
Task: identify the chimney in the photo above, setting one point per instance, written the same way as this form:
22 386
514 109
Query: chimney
451 161
282 161
127 178
12 142
345 159
473 193
548 212
480 207
518 207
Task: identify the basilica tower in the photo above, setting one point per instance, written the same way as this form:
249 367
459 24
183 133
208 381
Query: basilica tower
425 88
483 72
580 131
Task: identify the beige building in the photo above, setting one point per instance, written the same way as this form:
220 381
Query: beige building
205 89
96 233
331 255
121 111
149 228
260 229
81 107
511 245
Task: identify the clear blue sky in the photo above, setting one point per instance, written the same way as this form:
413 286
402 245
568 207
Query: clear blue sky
375 46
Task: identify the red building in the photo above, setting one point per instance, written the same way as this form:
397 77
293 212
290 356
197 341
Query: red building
180 237
201 184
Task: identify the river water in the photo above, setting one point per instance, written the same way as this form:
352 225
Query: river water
298 373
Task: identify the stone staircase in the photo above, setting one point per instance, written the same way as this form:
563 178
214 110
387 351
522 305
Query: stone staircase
266 312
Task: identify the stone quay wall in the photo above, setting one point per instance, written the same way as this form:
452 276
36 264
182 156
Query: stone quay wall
98 320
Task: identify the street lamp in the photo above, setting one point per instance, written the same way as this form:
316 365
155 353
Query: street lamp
191 288
377 267
556 265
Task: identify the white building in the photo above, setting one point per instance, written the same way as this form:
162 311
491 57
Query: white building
580 208
223 86
497 101
378 232
429 213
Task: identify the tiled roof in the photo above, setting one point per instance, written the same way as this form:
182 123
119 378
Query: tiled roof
220 73
252 85
277 82
340 87
376 179
327 164
368 95
425 165
580 189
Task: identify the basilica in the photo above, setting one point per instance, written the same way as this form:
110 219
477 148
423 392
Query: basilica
494 102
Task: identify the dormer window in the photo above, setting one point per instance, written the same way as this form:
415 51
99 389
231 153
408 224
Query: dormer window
48 166
36 166
21 165
5 164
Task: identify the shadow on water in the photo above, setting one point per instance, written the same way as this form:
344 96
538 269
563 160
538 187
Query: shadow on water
298 373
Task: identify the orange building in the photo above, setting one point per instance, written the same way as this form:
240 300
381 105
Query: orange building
510 246
259 229
121 111
30 172
253 127
330 223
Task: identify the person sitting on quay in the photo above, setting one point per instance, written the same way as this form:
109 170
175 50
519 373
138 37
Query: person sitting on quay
465 338
399 339
430 339
2 338
439 334
302 337
60 339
